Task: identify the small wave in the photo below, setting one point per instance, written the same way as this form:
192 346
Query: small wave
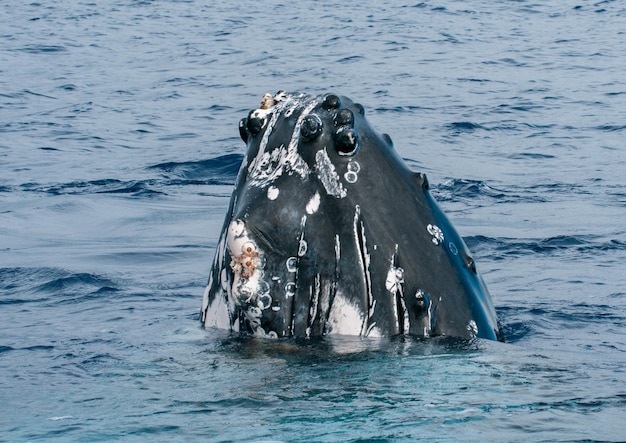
500 248
41 49
400 109
455 189
4 349
219 170
104 186
60 283
51 285
463 127
611 128
530 155
71 288
350 59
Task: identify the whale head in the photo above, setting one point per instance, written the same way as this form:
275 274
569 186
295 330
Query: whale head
329 232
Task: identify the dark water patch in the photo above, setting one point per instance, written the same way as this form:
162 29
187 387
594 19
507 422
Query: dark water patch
474 80
581 245
47 148
37 94
179 136
143 188
260 60
530 155
463 127
41 49
350 59
219 170
38 348
521 323
5 349
510 62
23 286
399 109
583 313
550 189
513 331
67 87
611 128
20 280
218 108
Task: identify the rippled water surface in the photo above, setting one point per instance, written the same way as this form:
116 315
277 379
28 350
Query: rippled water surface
118 151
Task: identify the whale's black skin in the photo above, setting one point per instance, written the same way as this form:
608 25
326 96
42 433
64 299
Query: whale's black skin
329 232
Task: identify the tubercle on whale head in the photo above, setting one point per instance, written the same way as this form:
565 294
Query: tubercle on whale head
344 134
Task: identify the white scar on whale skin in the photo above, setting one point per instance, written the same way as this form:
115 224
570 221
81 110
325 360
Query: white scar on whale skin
365 259
272 192
345 318
268 166
313 205
395 285
328 175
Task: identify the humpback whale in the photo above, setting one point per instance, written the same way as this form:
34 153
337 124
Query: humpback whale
329 232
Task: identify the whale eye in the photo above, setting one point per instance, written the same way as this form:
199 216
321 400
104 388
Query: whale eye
311 127
243 123
346 141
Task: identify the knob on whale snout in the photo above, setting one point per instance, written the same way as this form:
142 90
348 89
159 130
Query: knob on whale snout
311 128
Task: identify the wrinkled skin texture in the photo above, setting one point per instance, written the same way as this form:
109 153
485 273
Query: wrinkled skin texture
329 232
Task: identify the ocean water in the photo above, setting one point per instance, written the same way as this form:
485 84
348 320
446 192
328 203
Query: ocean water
118 151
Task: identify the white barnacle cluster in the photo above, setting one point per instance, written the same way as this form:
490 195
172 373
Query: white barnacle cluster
352 174
472 327
249 290
436 232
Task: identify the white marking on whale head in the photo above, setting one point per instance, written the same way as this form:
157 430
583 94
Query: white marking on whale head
352 175
272 192
436 232
472 327
302 248
268 166
345 318
217 315
291 264
328 175
313 205
395 277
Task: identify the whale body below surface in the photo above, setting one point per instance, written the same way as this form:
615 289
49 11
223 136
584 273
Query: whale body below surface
329 232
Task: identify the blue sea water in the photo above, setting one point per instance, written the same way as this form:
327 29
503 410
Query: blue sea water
118 151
